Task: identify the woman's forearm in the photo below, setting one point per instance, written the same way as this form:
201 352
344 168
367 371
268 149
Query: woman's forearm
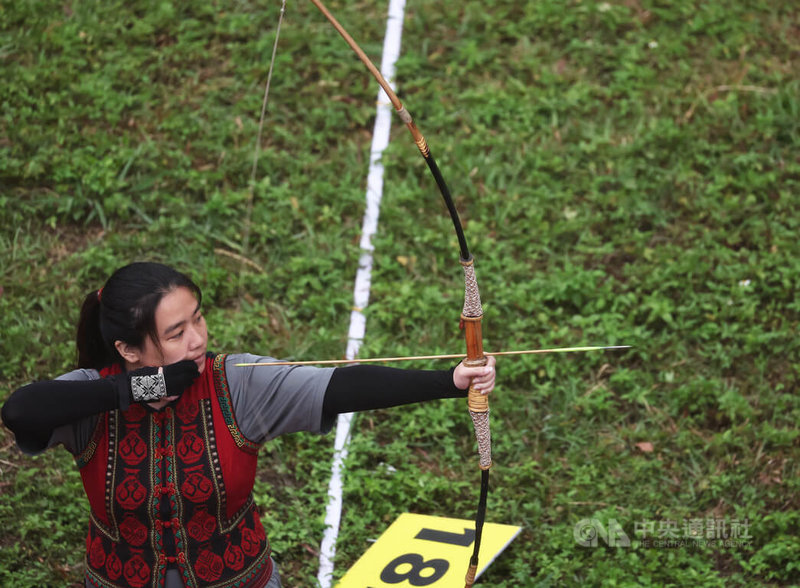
34 411
366 387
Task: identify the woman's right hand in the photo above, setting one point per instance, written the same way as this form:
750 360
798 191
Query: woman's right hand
158 386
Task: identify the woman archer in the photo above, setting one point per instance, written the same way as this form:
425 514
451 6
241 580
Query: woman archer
166 434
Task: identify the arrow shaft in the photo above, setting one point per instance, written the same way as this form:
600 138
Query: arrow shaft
423 357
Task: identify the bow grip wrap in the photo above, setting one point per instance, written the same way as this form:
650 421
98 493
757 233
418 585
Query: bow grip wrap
478 403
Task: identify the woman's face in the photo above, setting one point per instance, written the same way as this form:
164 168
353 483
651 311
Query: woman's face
182 332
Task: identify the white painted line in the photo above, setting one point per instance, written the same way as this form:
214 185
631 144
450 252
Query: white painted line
380 140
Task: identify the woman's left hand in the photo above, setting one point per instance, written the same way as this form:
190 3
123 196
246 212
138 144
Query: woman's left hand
482 378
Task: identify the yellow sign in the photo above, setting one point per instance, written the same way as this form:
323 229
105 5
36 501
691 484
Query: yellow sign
420 550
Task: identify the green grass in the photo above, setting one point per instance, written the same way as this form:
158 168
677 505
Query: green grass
627 174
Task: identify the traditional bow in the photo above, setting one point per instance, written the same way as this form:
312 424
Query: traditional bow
472 312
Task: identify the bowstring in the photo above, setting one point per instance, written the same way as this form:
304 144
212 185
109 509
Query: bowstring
257 149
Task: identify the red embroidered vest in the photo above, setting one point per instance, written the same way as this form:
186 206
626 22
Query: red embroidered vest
174 488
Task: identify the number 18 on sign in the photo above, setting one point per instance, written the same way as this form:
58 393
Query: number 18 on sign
420 550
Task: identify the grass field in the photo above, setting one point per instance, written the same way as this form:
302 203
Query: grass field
627 173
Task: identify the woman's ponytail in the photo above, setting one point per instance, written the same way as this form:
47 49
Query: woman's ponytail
92 350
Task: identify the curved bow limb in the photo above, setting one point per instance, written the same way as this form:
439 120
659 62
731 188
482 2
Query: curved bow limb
472 314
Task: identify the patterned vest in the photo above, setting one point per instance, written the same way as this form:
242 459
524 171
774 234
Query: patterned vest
174 488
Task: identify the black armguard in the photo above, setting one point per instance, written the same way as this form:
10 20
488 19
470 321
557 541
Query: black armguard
366 387
34 411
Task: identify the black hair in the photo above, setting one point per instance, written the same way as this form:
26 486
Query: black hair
124 309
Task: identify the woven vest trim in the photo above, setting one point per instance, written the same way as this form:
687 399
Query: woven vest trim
174 488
